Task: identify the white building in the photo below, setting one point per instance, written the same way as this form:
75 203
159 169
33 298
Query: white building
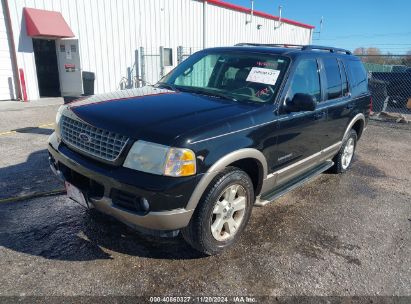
44 44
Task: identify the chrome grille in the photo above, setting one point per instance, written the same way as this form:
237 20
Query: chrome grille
91 140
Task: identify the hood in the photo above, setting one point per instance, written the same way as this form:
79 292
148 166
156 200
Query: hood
154 114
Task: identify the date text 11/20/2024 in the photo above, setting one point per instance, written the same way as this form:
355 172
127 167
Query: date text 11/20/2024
203 299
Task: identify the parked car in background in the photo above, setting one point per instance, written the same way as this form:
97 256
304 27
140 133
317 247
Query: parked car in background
399 68
391 88
228 129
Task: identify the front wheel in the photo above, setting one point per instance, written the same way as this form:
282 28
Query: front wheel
222 213
343 160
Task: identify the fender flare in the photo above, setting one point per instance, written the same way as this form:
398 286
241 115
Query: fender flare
356 118
219 166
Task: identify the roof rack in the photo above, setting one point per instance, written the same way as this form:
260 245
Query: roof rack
325 48
302 47
282 45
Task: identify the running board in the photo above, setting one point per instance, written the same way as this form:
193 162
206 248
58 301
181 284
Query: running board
291 185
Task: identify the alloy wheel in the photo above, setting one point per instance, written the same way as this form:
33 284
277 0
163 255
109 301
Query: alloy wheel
228 212
348 153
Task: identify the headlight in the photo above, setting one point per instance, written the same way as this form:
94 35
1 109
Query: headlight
58 119
147 157
58 115
161 160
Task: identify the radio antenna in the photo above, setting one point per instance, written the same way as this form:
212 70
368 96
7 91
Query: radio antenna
321 29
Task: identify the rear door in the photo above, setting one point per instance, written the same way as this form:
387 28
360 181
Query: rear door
338 99
358 79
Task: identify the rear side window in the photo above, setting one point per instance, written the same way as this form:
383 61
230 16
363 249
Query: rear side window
344 78
334 83
358 77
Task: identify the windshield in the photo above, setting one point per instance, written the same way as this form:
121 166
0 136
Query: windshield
235 76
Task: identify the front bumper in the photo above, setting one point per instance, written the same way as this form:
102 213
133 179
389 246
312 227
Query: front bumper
167 196
162 220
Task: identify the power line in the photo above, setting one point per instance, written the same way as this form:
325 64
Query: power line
367 36
382 55
391 44
386 48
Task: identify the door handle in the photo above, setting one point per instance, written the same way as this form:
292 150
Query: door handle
319 115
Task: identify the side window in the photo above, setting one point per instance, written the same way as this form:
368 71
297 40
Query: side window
358 77
306 80
334 83
344 79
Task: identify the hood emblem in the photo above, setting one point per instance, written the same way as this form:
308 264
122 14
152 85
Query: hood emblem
84 137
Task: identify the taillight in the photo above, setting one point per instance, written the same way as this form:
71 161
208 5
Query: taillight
371 104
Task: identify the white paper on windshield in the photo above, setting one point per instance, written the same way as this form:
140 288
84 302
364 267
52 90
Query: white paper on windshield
262 75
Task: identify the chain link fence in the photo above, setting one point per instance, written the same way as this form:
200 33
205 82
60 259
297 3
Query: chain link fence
390 82
150 65
185 52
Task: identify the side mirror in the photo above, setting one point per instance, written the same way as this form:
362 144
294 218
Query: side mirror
301 102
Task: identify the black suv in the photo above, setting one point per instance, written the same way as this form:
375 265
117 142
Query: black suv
228 129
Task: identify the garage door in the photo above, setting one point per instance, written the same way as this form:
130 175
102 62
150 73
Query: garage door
6 72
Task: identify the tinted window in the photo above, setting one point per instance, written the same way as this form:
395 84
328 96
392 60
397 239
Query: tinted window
332 71
199 74
306 80
358 77
344 78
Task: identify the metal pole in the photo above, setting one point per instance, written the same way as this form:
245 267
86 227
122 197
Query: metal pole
204 24
143 66
129 84
137 67
179 54
161 61
9 32
251 14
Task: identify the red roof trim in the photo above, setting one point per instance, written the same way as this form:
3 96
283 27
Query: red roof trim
42 23
257 13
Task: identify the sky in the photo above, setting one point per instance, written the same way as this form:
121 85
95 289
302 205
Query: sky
351 23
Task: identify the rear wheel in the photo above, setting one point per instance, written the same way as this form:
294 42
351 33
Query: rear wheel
343 160
222 213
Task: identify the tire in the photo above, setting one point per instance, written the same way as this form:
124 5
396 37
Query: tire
341 164
230 190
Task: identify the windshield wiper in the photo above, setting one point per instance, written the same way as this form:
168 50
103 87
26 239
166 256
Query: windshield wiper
166 85
209 93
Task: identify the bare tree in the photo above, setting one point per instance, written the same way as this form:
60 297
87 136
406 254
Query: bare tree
375 55
371 54
407 59
360 51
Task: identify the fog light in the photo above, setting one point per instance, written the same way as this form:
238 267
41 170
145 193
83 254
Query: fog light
144 204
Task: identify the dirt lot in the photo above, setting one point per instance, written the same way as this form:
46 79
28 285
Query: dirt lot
338 235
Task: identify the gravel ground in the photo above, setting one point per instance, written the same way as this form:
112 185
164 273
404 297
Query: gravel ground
338 235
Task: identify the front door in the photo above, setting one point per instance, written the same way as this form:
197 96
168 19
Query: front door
69 65
46 66
301 134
